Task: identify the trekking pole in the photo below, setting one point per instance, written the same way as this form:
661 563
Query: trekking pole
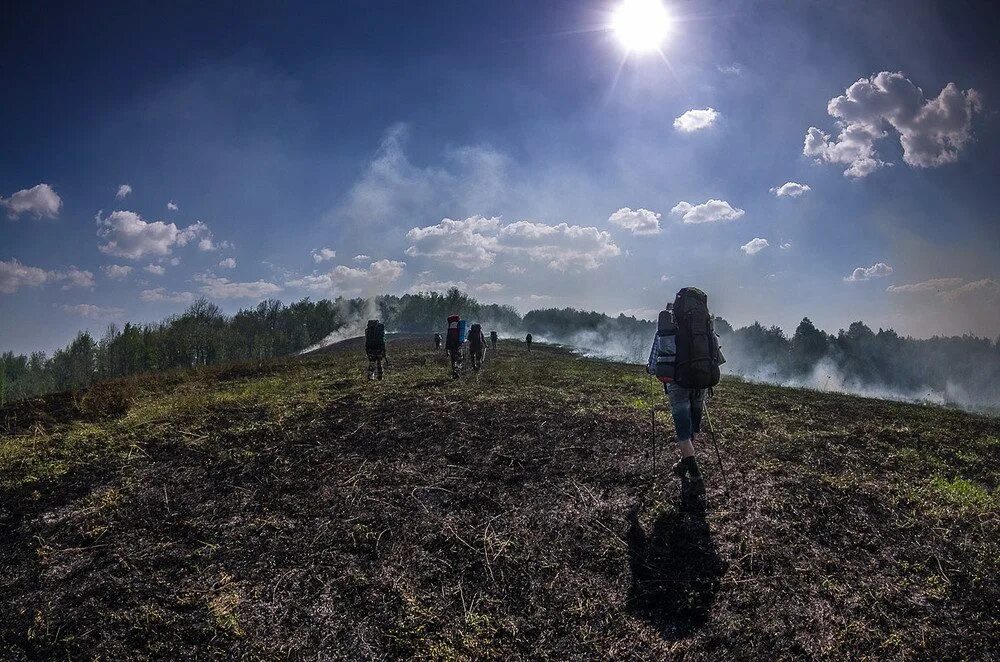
718 455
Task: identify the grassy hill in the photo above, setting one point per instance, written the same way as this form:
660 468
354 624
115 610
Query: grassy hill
294 509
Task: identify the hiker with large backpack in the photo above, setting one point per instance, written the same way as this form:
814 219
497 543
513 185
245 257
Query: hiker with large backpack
375 348
454 344
477 346
527 341
685 357
493 340
437 341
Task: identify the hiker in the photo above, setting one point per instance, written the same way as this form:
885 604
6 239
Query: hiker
437 341
527 341
685 357
493 340
454 344
375 348
477 346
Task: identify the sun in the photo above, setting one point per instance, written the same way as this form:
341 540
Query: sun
641 25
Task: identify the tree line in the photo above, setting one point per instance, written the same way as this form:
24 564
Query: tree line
966 369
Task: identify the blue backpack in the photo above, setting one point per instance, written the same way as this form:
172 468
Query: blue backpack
663 355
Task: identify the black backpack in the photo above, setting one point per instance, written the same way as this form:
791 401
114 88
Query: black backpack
476 338
698 356
375 337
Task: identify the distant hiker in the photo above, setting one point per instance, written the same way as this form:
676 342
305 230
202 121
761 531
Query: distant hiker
685 356
375 348
527 341
493 340
477 346
437 341
454 342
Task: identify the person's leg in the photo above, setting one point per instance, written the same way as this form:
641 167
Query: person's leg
681 410
697 410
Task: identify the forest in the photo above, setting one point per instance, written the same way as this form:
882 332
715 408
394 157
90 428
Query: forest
963 371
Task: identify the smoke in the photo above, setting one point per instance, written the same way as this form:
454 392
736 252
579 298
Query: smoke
356 319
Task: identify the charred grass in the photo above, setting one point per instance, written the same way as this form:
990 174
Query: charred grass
293 509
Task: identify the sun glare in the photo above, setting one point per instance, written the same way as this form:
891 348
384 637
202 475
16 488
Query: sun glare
641 25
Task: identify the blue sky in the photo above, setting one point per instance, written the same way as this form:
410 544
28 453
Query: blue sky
359 127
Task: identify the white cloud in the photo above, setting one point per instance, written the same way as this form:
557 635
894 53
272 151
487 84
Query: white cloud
877 270
123 191
91 311
76 278
712 211
174 261
790 190
786 246
696 120
639 221
734 69
217 287
323 254
489 287
161 294
754 246
515 269
350 280
14 275
39 200
172 206
228 263
116 272
362 258
475 242
987 289
155 269
127 235
664 278
932 132
437 286
937 285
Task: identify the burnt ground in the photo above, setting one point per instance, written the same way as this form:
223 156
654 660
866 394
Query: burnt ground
295 510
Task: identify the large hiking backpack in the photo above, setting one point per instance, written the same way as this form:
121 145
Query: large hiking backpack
452 340
698 356
375 338
663 356
476 338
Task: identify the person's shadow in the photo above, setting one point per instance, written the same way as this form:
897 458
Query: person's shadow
675 569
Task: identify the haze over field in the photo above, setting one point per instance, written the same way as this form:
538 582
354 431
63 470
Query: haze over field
792 161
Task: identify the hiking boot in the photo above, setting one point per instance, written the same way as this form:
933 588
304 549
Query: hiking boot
680 470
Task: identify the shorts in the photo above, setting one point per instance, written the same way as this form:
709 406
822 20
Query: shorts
686 407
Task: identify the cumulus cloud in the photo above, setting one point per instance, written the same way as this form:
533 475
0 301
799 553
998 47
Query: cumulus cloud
172 206
349 280
14 275
475 242
160 294
988 289
123 191
116 271
931 132
323 254
712 211
217 287
39 200
877 270
437 286
362 258
155 269
127 235
786 246
754 246
734 69
639 221
665 277
790 190
696 120
91 311
490 287
228 263
936 285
